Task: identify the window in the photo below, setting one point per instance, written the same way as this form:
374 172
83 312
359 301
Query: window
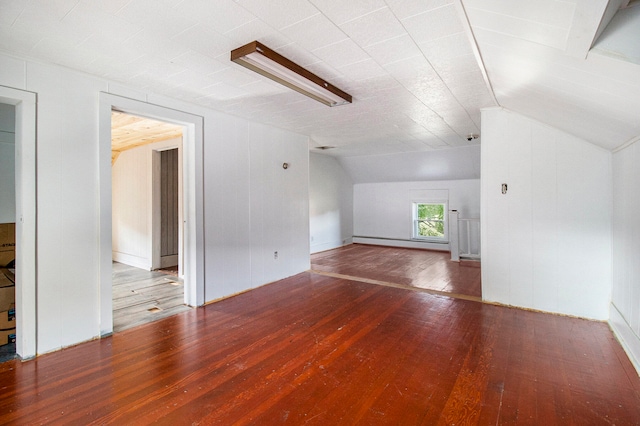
430 221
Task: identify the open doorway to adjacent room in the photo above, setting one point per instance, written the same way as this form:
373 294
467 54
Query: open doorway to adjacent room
18 210
147 231
7 231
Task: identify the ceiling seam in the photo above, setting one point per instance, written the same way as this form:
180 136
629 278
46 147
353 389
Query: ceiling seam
439 76
627 144
476 51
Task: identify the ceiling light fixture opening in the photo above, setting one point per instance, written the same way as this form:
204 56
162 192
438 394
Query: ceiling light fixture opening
259 58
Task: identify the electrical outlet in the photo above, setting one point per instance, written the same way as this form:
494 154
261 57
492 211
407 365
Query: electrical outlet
275 254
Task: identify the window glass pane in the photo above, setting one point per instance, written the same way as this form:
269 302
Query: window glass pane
429 228
430 220
431 211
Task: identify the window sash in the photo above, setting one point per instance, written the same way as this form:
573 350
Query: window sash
433 221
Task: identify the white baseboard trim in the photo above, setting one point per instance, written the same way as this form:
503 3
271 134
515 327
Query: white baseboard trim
132 260
629 341
167 261
401 243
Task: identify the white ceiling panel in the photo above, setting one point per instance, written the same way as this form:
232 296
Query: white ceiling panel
112 51
254 30
386 23
279 13
443 21
340 11
150 44
410 65
412 68
219 15
196 61
205 41
158 19
407 8
11 10
447 47
550 13
460 81
362 70
393 50
585 123
232 77
223 91
520 28
83 19
314 32
109 6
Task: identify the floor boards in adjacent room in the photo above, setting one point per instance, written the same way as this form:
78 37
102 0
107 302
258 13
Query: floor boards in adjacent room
425 270
141 296
315 349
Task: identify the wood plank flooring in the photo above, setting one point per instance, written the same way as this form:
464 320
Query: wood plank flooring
318 350
141 296
426 270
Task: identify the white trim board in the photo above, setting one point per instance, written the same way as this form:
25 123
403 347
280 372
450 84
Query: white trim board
401 243
629 341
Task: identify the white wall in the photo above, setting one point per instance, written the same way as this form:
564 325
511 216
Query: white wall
252 206
383 211
132 189
625 307
460 163
7 164
330 203
546 244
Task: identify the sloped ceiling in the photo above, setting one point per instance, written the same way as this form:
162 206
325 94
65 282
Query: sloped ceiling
535 68
413 66
130 131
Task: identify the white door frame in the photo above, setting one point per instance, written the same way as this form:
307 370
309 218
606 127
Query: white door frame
26 216
193 205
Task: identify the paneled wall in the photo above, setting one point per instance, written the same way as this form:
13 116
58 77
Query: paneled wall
169 204
625 308
330 203
546 243
252 206
383 211
7 164
132 204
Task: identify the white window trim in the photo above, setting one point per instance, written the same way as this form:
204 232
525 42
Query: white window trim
445 219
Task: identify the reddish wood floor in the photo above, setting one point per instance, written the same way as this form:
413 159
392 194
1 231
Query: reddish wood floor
313 349
422 269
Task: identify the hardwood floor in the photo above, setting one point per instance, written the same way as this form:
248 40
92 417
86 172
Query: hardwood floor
426 270
141 296
314 349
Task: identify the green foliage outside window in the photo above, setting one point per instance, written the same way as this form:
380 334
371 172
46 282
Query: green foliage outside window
430 220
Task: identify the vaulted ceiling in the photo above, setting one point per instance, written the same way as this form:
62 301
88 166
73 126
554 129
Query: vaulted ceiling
419 70
130 131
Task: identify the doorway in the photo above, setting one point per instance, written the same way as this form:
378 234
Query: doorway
146 219
191 221
7 231
24 107
170 202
